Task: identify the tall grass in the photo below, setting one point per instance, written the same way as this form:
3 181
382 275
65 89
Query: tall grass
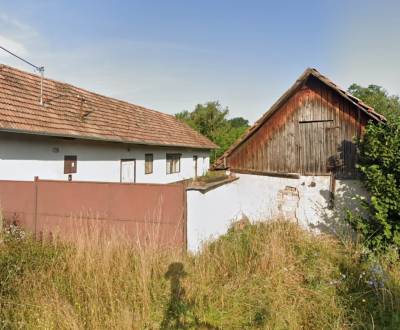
265 276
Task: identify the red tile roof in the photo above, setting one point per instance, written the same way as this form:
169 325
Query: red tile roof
69 111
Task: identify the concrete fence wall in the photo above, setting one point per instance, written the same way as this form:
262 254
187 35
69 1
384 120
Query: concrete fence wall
142 213
260 198
167 215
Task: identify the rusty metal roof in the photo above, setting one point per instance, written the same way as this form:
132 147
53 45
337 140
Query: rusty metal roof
219 163
69 111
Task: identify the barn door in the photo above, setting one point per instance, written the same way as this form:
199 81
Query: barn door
128 170
315 146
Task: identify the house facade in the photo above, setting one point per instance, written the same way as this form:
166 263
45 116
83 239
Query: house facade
297 162
79 135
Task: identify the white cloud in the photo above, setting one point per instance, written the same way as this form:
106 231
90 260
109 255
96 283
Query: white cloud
16 36
16 27
13 46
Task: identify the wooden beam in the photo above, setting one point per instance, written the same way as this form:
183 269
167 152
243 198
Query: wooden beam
274 174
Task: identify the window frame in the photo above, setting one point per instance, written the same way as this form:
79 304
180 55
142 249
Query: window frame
148 161
173 157
69 160
196 165
120 169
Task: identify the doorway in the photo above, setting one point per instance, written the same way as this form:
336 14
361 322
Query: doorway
128 171
315 141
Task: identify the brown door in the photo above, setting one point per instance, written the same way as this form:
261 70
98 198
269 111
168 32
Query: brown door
315 147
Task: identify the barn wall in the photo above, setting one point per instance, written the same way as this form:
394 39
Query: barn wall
261 198
22 157
313 132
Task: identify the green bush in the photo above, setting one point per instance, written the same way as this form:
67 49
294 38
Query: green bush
380 168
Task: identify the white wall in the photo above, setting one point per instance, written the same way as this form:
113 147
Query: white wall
22 157
261 198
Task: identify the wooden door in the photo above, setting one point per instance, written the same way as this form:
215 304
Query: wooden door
128 170
315 146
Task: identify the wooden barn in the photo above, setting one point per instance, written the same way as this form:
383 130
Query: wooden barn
297 163
310 130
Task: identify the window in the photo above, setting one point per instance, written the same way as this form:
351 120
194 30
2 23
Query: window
148 163
173 163
70 164
195 165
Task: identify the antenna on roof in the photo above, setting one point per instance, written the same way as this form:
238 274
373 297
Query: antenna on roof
40 69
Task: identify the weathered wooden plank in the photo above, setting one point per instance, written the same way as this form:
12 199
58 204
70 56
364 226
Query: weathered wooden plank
311 129
320 131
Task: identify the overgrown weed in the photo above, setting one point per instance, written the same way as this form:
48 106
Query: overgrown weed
270 275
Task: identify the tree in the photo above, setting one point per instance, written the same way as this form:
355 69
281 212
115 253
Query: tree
239 122
210 119
379 165
378 98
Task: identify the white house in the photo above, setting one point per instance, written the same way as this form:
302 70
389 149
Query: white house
79 135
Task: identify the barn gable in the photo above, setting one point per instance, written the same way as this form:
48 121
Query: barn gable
310 130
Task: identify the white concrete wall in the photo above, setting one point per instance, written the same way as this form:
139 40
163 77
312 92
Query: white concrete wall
261 198
22 157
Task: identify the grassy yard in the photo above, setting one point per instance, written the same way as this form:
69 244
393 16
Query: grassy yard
265 276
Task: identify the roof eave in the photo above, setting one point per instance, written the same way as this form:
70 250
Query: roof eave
100 139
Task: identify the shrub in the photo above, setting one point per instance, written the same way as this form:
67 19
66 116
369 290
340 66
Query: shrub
380 168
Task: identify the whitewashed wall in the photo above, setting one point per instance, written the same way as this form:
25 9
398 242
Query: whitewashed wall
261 198
22 157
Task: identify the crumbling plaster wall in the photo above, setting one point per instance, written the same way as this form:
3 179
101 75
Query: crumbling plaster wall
260 198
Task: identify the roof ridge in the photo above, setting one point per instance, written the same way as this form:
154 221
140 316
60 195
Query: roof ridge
101 95
123 120
339 88
283 98
11 68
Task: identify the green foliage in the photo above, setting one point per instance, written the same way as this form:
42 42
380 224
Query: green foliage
212 176
378 98
379 165
380 168
238 122
20 257
271 275
210 119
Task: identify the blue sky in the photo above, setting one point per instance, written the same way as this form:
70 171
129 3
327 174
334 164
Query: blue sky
170 55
